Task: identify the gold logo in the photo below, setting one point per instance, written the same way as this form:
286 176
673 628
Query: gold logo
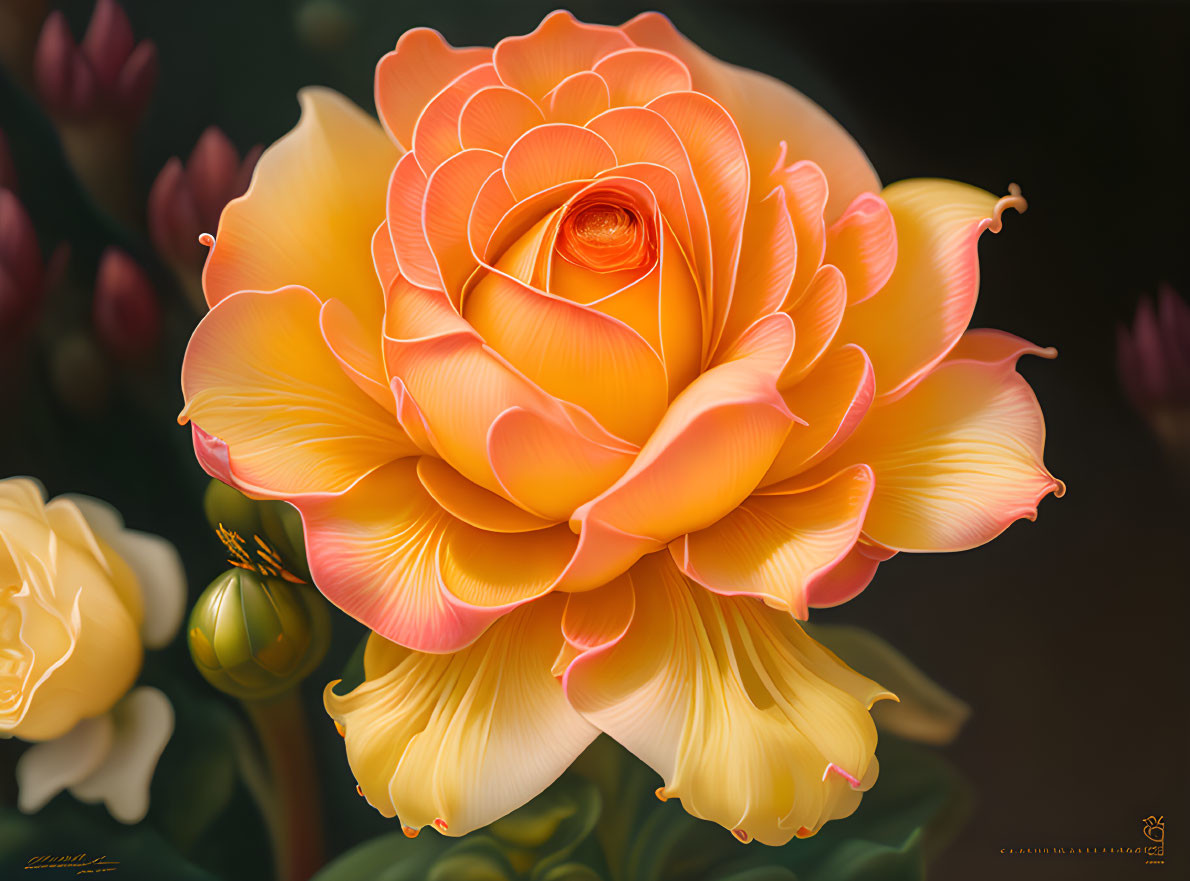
1154 829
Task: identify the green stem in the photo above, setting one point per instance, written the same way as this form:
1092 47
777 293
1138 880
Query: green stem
280 724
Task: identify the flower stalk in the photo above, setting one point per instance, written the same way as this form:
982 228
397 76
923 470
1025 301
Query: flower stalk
295 819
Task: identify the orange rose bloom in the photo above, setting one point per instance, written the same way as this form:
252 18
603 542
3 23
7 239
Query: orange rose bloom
641 363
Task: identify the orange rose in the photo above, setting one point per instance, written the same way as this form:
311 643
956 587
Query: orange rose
638 342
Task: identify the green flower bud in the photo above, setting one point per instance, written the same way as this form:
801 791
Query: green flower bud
255 637
282 526
263 535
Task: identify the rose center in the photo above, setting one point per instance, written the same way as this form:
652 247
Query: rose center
604 237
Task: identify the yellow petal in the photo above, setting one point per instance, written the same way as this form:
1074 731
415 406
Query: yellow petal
923 309
308 217
957 459
259 376
750 722
459 740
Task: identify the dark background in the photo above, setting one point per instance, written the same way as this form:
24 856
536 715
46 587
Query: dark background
1067 636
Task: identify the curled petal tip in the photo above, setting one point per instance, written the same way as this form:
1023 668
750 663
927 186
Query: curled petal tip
1013 200
340 729
359 790
660 793
206 239
410 832
741 835
441 824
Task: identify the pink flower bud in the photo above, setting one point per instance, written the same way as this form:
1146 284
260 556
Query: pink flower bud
1154 359
126 311
186 200
108 42
110 74
22 272
64 80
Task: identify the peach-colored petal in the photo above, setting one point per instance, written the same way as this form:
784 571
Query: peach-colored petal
384 258
926 305
766 265
457 741
560 46
308 217
388 555
720 166
547 466
832 400
573 352
404 205
450 193
638 135
775 546
554 154
473 504
436 135
767 111
412 74
816 317
357 351
805 197
995 347
636 76
731 415
496 116
848 578
578 98
740 712
957 459
460 387
415 313
863 244
259 377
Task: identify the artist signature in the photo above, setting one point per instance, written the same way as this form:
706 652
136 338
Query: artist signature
78 864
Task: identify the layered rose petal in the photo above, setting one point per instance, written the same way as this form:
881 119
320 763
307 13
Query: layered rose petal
927 302
412 74
750 722
260 377
436 135
578 98
831 400
778 543
731 415
308 217
389 555
720 165
573 353
537 62
768 112
957 459
816 317
863 244
494 117
458 740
